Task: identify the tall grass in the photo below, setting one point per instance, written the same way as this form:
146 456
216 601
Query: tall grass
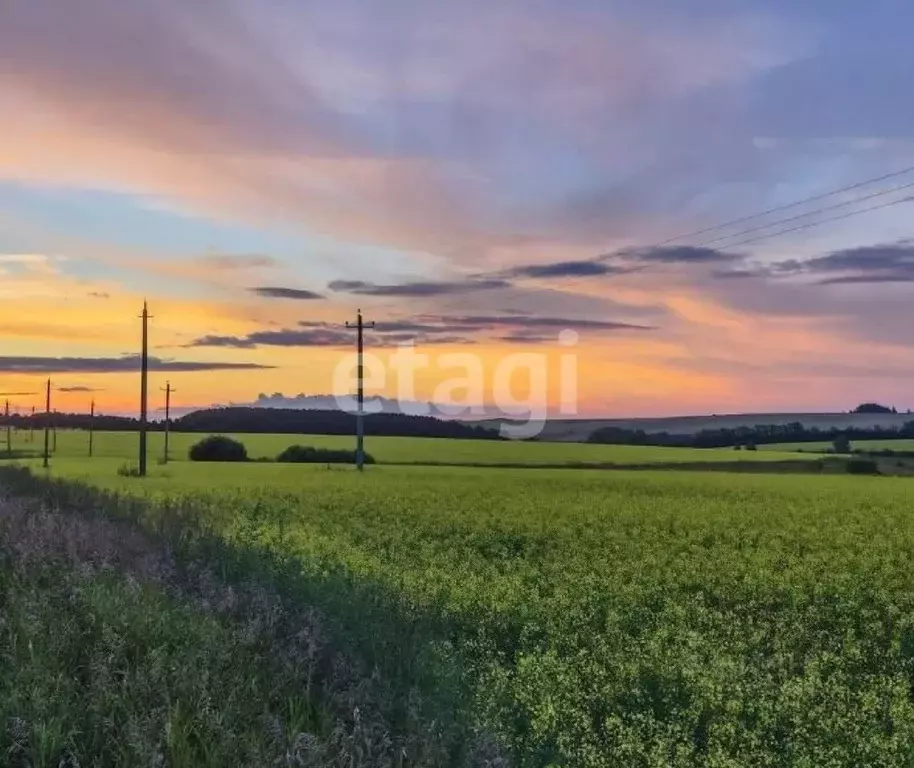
128 646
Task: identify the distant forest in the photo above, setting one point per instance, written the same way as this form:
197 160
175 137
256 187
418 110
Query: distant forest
270 420
764 434
289 421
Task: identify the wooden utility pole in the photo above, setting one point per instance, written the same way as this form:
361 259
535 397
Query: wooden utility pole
8 420
360 326
144 376
168 390
91 426
47 423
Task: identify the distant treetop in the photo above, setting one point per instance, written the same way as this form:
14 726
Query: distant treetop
873 408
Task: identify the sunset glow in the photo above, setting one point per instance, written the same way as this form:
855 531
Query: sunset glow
475 180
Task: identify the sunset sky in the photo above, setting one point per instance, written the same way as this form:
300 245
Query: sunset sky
476 176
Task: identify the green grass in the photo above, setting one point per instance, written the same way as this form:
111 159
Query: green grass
591 619
820 446
103 667
115 652
406 450
901 444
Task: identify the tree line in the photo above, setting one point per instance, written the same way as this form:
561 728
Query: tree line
268 420
763 434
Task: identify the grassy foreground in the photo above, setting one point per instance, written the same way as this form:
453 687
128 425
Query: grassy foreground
405 450
119 650
589 619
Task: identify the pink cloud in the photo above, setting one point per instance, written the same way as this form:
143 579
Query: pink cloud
235 109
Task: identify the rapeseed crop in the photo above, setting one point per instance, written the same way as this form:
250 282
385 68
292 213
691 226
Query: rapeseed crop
595 619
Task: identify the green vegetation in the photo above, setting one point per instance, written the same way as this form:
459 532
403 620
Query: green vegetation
862 466
782 432
903 445
218 448
582 618
99 667
243 419
841 444
874 408
112 653
407 450
306 454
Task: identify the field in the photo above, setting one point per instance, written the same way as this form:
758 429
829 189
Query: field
856 445
577 618
406 450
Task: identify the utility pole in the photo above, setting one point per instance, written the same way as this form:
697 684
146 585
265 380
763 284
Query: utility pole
91 425
7 417
168 390
32 426
144 375
360 326
47 422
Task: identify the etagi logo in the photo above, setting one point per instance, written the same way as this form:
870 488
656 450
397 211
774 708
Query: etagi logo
461 391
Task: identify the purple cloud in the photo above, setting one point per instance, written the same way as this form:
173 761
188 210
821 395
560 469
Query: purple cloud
298 294
127 363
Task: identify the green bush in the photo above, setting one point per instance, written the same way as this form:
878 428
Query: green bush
306 454
862 467
218 448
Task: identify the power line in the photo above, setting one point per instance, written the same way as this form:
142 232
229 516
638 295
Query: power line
786 206
832 207
823 221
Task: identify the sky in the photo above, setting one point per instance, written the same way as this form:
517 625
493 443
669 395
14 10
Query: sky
476 177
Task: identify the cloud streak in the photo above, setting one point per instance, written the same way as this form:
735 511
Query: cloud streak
418 289
873 264
886 263
318 337
560 269
125 364
298 294
316 334
239 262
478 322
622 262
428 329
676 254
